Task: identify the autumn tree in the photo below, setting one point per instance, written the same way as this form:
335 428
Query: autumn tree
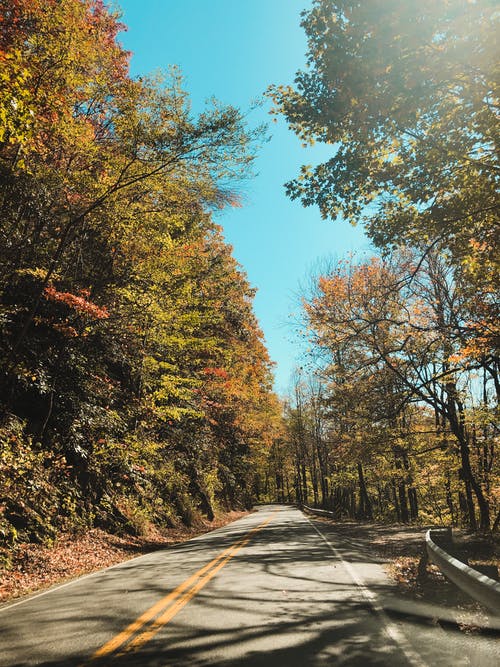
408 331
96 136
130 354
406 95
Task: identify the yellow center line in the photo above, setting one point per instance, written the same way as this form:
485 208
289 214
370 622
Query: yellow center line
172 611
150 613
170 605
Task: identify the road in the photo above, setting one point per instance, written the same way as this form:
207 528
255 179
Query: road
273 588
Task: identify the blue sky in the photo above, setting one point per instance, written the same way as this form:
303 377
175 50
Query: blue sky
233 50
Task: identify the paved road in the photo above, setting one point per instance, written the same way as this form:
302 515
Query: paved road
271 589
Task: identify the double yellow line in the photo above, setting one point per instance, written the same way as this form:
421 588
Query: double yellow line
145 627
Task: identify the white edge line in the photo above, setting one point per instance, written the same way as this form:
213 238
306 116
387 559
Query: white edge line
58 587
391 630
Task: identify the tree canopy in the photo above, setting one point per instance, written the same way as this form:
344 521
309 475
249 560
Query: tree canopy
407 95
136 386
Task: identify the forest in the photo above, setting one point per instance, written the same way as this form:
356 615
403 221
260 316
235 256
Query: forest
135 384
395 415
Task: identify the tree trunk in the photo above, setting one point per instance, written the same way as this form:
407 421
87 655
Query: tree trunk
366 510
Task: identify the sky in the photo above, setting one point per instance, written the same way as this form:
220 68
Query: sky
233 50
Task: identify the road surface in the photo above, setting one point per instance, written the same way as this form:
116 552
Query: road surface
273 588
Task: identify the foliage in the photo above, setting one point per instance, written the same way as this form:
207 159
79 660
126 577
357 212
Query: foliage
399 421
406 95
131 361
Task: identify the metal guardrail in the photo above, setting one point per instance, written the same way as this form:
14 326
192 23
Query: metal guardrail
319 512
480 587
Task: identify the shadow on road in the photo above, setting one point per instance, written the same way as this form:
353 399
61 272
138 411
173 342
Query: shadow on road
348 644
302 622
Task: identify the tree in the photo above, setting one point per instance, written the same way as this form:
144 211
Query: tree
98 139
130 356
406 95
401 338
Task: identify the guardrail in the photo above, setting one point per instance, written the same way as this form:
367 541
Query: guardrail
479 586
319 512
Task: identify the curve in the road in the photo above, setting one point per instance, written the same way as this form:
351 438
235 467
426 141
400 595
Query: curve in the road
148 624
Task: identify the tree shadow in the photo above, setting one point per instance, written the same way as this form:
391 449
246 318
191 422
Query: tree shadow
321 618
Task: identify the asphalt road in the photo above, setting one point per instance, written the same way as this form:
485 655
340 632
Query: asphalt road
271 589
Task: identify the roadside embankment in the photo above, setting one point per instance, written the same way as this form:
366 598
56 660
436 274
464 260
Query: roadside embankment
35 567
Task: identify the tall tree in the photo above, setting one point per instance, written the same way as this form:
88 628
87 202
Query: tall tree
407 95
130 356
410 330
